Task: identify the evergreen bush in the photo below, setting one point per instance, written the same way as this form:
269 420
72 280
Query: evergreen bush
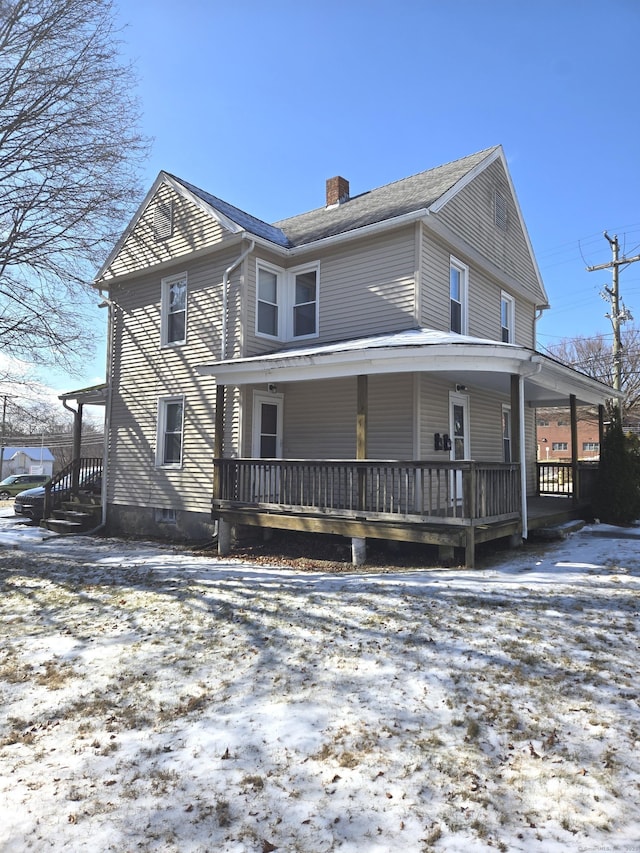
617 498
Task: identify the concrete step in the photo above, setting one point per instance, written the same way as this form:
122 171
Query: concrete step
67 521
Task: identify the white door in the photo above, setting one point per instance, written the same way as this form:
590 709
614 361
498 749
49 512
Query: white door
459 435
267 444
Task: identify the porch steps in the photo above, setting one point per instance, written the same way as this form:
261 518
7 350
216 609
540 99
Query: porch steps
73 517
557 531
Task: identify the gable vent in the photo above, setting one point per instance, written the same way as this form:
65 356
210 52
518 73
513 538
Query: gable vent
162 220
500 211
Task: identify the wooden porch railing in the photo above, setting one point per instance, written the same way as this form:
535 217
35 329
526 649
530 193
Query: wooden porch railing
81 475
561 480
415 491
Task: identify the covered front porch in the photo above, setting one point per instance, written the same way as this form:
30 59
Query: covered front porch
454 503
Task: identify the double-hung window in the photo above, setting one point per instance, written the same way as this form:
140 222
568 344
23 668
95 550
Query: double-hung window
458 282
169 440
506 434
507 314
287 302
174 310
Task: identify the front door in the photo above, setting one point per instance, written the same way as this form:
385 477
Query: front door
459 433
267 444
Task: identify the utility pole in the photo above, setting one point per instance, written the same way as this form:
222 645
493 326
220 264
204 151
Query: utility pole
619 314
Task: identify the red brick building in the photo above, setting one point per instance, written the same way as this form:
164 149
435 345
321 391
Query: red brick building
553 436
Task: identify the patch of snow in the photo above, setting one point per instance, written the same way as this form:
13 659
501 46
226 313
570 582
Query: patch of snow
157 700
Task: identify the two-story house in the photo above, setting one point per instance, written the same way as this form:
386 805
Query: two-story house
367 368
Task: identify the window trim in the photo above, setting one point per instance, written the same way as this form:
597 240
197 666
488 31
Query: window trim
165 309
463 270
506 439
161 431
508 300
286 304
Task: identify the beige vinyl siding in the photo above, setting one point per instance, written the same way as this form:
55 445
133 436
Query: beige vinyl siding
434 277
530 439
485 424
470 214
483 297
433 415
320 418
366 288
193 229
144 371
484 310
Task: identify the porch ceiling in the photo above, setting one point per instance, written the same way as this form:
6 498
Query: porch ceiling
461 359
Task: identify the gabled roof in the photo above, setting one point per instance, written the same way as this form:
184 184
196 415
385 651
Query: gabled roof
243 220
35 453
409 195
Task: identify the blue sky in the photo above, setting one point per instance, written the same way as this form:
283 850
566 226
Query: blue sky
259 103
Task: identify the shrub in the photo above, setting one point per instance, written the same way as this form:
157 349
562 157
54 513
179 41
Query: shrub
617 498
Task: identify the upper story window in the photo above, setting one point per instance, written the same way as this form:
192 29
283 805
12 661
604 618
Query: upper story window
287 302
458 282
174 310
169 438
507 315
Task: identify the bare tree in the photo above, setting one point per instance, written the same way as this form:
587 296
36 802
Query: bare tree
594 356
70 153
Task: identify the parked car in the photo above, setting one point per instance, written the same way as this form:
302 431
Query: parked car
16 483
30 503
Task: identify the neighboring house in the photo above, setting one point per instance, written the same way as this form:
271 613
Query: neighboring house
27 460
554 436
367 368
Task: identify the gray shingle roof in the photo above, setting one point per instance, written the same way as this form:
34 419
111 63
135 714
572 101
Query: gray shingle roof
401 197
244 220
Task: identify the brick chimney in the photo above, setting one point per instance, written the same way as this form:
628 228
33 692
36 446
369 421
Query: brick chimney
337 191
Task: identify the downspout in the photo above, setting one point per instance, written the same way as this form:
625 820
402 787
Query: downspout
110 305
106 303
225 286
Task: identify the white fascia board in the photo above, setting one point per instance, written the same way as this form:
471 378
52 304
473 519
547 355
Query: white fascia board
378 360
497 154
355 233
466 179
564 380
127 231
207 208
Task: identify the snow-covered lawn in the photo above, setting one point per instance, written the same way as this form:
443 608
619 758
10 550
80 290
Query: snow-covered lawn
156 700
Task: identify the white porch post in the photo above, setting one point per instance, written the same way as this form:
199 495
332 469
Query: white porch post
523 457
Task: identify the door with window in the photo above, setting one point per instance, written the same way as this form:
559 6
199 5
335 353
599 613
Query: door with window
459 435
267 444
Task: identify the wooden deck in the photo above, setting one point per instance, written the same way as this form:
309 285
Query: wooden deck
453 505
